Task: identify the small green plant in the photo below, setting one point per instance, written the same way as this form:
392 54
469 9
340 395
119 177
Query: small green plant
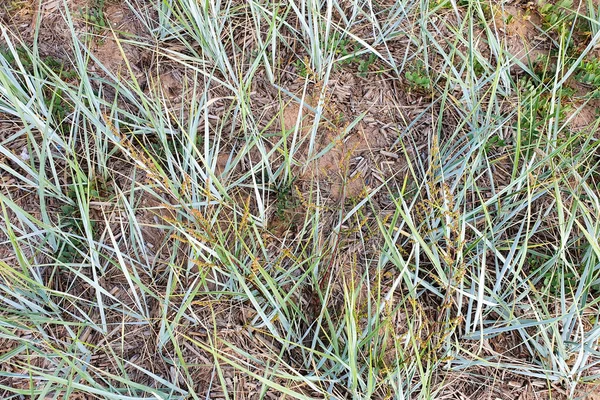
285 199
301 68
342 47
72 221
534 121
589 73
418 80
54 64
562 19
553 14
70 218
59 107
21 55
417 77
365 64
555 279
349 54
94 15
494 141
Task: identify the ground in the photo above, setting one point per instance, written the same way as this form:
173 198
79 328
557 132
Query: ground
345 199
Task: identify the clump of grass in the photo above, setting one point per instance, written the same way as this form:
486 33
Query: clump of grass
142 260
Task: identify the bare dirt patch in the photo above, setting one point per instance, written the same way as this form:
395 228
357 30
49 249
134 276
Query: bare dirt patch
521 32
356 140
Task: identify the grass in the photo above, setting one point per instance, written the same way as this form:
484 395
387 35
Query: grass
178 239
